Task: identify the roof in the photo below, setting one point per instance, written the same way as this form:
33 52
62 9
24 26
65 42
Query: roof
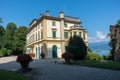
52 18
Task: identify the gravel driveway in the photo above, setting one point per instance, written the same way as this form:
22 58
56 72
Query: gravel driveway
49 70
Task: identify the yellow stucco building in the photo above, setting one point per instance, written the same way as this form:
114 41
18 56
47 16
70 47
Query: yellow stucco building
50 34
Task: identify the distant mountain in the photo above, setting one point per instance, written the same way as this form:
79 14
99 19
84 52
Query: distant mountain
101 48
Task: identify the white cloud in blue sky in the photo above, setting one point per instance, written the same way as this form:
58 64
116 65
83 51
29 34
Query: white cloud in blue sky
100 36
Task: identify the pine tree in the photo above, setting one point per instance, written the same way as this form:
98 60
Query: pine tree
77 47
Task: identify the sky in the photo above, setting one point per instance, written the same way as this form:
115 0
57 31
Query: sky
96 15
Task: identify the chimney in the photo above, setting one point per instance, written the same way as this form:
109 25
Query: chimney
61 14
47 13
41 15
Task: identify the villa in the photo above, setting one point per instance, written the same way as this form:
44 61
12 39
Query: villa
50 34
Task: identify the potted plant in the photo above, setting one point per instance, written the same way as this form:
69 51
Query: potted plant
42 55
32 55
24 60
67 56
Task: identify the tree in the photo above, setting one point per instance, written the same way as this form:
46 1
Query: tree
77 47
118 23
20 39
9 35
1 35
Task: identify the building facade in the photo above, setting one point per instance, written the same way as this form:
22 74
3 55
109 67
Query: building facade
50 34
115 41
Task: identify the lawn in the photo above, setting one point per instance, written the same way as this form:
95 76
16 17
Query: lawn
100 64
7 75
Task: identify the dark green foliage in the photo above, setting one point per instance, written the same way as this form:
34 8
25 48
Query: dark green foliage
118 23
9 75
20 39
77 47
93 56
9 52
3 52
99 64
13 39
112 45
109 56
1 35
9 36
104 57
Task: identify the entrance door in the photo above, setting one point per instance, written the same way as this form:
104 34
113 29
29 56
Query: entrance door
54 51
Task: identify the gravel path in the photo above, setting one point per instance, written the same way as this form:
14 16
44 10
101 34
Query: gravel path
49 70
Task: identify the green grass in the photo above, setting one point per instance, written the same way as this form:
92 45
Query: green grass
7 75
100 64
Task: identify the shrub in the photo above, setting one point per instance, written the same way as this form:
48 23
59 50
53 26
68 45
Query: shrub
93 56
77 47
109 56
1 55
3 52
67 56
9 52
31 55
42 55
104 57
23 58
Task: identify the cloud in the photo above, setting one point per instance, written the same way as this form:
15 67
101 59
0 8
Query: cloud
100 36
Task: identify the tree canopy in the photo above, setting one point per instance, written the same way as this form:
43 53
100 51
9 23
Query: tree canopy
1 34
20 39
77 47
12 39
118 23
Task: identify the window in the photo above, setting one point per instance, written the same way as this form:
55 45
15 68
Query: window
53 23
41 24
70 33
84 36
54 34
38 35
41 34
75 33
80 34
65 24
115 30
66 35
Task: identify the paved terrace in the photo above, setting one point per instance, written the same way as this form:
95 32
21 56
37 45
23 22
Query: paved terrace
48 70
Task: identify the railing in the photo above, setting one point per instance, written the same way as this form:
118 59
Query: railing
72 18
76 27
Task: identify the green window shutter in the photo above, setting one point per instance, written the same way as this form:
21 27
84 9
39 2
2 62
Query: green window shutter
54 34
66 35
